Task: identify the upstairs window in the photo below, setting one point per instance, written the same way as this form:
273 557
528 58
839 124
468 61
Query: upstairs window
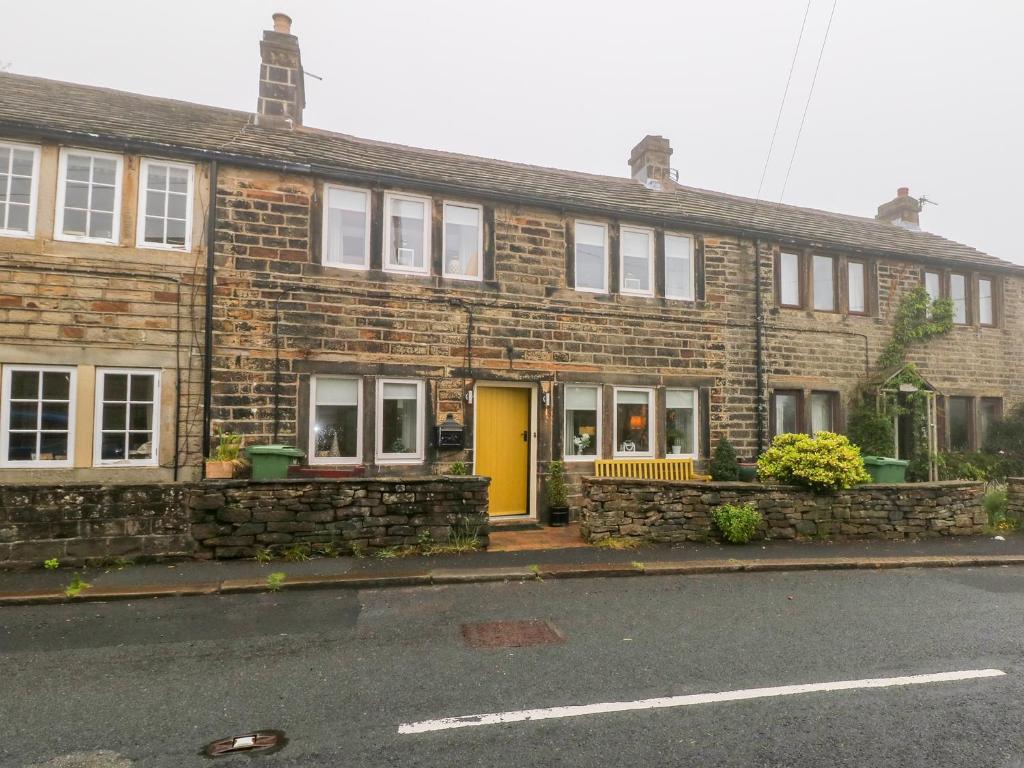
582 437
986 303
681 421
679 263
790 293
824 283
127 414
406 234
336 420
89 196
37 421
19 181
165 205
399 421
933 285
346 234
637 261
633 425
958 293
591 258
463 241
857 288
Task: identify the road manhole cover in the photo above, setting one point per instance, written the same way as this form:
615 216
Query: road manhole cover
258 742
510 634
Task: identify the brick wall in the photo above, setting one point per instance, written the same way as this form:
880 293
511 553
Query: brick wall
675 512
234 518
78 523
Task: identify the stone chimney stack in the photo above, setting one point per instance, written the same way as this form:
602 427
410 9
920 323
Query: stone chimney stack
650 162
903 210
282 92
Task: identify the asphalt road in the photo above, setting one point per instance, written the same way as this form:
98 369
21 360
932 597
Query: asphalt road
150 683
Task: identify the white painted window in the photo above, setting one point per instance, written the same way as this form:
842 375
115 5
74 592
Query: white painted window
857 287
165 205
789 280
636 249
958 293
634 427
463 237
335 420
400 421
89 196
582 435
824 283
933 285
127 428
679 267
406 234
19 188
822 412
786 415
591 258
346 234
37 418
681 422
986 307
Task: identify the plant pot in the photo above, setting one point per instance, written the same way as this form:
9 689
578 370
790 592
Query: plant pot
748 473
677 449
558 516
220 470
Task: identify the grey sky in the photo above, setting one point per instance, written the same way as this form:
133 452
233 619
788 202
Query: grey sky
919 93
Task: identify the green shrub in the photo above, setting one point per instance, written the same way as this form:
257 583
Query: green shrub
995 504
737 522
458 468
556 488
1006 435
825 462
979 465
724 465
229 445
871 431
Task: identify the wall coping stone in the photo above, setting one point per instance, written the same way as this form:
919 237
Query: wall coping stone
740 485
417 480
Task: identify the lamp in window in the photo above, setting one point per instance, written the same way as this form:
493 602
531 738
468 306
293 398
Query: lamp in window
637 421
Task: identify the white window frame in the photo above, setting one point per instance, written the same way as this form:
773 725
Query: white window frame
428 215
816 259
58 229
312 458
33 202
380 457
480 241
800 298
967 297
696 424
850 282
991 302
575 257
650 262
693 266
652 424
140 213
566 439
97 427
5 416
324 249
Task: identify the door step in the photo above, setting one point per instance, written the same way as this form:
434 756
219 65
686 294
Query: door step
497 524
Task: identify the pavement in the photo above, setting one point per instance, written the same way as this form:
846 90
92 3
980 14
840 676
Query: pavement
519 561
349 675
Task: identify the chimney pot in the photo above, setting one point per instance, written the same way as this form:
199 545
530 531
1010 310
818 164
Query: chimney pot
903 192
283 23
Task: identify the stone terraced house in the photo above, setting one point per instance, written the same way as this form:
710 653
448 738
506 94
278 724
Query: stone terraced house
362 294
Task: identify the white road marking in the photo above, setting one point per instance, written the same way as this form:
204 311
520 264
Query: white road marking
552 713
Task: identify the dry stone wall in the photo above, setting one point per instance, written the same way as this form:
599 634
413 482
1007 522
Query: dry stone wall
675 512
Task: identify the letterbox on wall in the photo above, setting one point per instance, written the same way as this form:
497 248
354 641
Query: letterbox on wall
451 435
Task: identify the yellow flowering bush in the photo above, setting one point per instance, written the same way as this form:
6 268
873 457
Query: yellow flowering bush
825 462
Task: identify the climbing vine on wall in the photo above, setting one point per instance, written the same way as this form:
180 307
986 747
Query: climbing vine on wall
918 319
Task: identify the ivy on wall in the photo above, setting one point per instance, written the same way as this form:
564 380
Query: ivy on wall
918 319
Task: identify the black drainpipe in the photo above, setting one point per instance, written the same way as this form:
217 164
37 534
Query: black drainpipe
277 366
759 346
211 245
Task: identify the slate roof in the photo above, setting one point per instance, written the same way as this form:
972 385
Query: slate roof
77 111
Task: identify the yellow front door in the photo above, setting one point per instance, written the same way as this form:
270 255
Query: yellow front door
503 446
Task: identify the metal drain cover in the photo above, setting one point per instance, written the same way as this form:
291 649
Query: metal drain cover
510 634
264 741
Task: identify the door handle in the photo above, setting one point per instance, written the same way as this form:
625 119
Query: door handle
526 435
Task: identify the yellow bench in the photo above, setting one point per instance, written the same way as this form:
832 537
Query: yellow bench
648 469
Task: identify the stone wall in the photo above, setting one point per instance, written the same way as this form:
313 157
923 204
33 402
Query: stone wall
234 517
76 523
675 512
1015 498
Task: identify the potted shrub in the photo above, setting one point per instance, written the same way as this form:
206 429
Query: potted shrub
221 464
675 440
557 493
724 465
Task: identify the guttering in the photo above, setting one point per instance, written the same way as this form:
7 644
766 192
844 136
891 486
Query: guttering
21 129
211 246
